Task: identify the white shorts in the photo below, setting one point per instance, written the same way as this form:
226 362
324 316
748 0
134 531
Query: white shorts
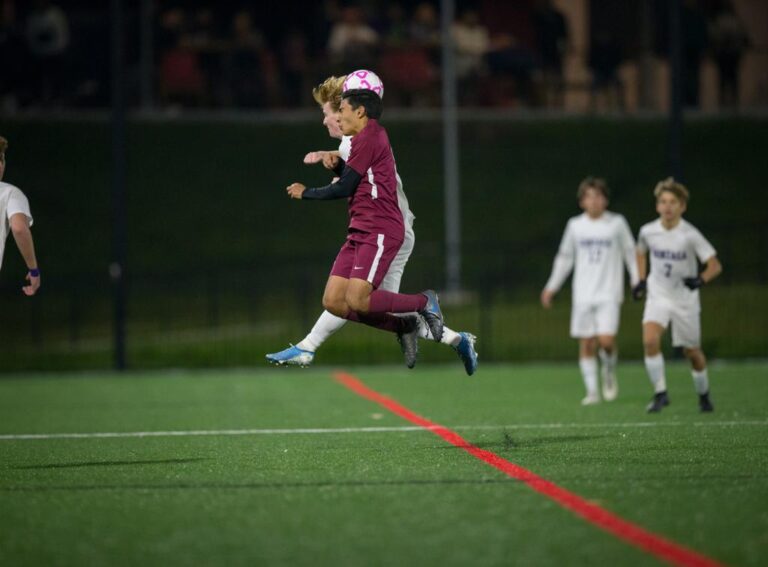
593 319
391 281
686 323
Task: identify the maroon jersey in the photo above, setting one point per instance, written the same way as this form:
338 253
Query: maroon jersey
374 208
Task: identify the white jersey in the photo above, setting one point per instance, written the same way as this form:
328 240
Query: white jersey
12 201
673 255
598 248
408 217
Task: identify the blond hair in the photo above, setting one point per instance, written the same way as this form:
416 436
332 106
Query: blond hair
669 185
597 183
329 91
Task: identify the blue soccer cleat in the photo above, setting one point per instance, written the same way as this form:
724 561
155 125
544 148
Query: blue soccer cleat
432 315
293 356
467 353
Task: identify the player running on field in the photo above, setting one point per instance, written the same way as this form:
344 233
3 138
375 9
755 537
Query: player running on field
596 242
377 232
328 96
674 246
15 217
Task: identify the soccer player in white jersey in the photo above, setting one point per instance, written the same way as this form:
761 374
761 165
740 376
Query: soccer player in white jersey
598 243
15 217
328 96
674 246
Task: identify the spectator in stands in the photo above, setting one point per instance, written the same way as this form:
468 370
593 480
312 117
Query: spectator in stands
729 40
395 28
252 72
182 80
552 43
294 66
352 43
472 44
47 35
605 57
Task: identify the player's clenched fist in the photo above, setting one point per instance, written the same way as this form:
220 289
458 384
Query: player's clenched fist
295 190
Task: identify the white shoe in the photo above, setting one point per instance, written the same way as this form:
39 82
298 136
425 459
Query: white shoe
590 400
610 386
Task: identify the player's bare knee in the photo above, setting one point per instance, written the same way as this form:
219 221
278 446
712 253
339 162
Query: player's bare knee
652 347
695 355
357 302
334 306
606 342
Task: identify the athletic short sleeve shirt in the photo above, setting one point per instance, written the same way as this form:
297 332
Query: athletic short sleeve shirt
598 248
12 201
374 207
402 200
673 254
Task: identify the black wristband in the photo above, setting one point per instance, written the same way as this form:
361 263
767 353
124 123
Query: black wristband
34 272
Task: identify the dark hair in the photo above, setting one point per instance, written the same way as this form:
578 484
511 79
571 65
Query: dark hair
597 183
367 99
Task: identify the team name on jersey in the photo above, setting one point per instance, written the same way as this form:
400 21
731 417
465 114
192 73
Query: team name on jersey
670 254
590 242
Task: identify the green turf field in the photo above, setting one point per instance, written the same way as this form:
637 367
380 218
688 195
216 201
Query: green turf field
288 467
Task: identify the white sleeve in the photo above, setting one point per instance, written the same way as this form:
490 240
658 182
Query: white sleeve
628 250
18 203
642 245
704 250
563 261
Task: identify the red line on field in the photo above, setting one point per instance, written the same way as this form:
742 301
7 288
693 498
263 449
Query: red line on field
631 533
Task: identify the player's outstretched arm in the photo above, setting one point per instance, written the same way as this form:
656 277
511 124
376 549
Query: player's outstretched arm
23 237
318 156
341 189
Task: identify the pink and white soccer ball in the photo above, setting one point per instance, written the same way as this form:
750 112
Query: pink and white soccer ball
364 79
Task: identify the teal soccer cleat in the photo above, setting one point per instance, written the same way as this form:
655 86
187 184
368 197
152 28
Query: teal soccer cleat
293 356
466 351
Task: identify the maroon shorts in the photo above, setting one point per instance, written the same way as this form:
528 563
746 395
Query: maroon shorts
366 256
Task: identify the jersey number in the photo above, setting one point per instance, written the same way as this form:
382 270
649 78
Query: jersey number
595 252
667 270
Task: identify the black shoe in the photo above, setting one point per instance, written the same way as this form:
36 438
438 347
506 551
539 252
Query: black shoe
659 401
704 404
408 337
433 317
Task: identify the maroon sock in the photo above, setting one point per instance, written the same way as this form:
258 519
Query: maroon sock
387 302
383 321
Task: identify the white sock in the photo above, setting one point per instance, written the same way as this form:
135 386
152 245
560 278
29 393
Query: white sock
609 360
700 381
589 374
654 365
325 326
450 337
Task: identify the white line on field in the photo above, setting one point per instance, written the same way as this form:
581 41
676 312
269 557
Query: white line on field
313 431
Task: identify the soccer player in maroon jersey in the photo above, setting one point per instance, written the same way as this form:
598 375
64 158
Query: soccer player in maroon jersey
375 234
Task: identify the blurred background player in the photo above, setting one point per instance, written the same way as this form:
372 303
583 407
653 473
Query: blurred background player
596 242
328 95
673 289
15 217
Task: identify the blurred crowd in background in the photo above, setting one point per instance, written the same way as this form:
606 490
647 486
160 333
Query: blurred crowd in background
265 55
